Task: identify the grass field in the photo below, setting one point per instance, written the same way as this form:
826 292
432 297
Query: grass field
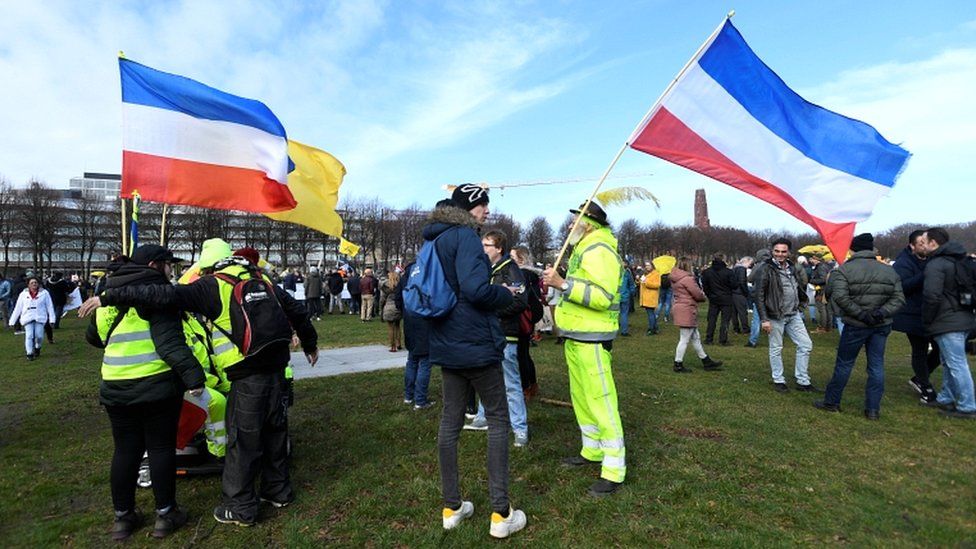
714 459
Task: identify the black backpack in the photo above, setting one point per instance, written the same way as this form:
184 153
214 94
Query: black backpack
256 317
966 283
665 281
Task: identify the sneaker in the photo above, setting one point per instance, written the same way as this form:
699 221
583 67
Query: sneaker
873 415
915 384
477 424
959 414
808 388
224 515
469 416
125 525
168 523
502 527
603 487
821 405
30 356
781 388
752 345
408 401
453 517
578 461
417 407
277 504
936 404
521 439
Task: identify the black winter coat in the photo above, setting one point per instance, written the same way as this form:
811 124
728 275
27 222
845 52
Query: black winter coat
166 330
508 273
941 312
203 296
470 336
911 269
717 282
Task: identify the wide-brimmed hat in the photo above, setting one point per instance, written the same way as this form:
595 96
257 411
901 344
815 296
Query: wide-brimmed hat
593 211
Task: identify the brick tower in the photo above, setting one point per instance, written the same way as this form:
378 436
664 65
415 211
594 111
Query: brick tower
701 210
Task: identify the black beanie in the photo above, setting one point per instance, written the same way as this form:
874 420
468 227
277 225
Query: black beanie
469 195
861 242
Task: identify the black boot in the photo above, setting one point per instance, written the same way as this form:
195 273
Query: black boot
711 365
680 368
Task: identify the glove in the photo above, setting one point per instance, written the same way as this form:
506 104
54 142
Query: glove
878 315
867 318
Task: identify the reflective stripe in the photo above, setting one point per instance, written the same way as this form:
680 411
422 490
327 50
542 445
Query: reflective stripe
588 337
217 426
131 336
130 360
614 462
590 429
598 245
219 440
590 443
587 289
223 347
606 392
616 443
614 307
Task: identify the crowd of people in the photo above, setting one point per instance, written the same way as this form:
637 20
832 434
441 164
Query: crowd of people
224 338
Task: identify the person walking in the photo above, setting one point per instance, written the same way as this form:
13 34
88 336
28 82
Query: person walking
147 365
910 266
684 311
717 283
367 286
587 316
33 311
391 307
949 322
868 293
781 299
468 345
650 297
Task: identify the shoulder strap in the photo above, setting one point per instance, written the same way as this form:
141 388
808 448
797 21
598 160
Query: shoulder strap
119 317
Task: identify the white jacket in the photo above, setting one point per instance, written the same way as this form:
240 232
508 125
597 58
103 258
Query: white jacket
39 309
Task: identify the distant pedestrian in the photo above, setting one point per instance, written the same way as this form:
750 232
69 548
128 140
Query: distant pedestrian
819 272
717 283
416 374
740 295
355 294
627 290
391 307
367 287
650 288
687 296
334 282
33 311
313 294
755 279
910 266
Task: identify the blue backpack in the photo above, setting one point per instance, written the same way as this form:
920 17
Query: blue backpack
427 293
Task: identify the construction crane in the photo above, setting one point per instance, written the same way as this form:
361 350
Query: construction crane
542 182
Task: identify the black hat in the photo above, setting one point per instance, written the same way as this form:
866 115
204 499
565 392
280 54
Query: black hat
148 253
594 212
469 196
861 242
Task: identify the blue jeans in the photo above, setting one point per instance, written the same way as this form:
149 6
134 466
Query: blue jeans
624 316
664 303
813 313
651 320
839 322
33 336
754 328
957 380
517 414
416 379
792 325
873 339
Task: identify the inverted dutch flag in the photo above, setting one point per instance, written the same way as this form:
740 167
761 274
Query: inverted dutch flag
731 118
186 143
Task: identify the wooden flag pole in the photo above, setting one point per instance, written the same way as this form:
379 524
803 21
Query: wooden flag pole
162 226
124 228
643 122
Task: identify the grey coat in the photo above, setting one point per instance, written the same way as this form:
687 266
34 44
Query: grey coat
864 284
941 313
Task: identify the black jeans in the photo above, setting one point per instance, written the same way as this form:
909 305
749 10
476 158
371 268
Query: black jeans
489 382
149 427
924 362
257 443
723 332
526 364
740 316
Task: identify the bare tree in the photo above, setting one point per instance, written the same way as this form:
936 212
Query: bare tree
89 222
38 220
8 206
628 237
539 238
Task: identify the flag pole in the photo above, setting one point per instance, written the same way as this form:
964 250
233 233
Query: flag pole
643 122
124 228
162 226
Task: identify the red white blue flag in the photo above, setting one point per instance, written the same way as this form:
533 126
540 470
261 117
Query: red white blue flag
730 117
187 143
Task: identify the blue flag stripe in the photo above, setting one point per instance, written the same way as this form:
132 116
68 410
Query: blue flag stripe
829 138
147 86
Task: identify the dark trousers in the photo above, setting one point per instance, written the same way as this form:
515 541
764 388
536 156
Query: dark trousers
489 382
740 314
526 364
355 302
723 331
314 305
148 427
924 361
257 443
873 340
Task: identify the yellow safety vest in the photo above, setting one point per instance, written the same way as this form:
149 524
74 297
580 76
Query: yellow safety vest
590 309
129 349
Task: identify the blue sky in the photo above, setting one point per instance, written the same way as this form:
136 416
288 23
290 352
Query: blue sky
415 95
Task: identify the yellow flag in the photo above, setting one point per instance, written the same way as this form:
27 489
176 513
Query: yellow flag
315 185
347 248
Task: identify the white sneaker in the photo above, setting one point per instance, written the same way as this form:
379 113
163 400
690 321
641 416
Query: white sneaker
521 439
477 424
452 518
504 527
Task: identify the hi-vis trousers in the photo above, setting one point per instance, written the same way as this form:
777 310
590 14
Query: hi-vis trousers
595 404
215 428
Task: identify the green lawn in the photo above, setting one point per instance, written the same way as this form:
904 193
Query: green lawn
715 459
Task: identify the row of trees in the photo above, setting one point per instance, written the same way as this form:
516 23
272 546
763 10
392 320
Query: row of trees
54 229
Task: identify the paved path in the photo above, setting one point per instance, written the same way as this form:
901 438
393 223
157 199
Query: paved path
348 360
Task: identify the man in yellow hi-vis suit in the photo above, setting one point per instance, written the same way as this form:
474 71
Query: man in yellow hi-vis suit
587 317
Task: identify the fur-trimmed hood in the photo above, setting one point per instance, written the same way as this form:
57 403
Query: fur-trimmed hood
446 217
